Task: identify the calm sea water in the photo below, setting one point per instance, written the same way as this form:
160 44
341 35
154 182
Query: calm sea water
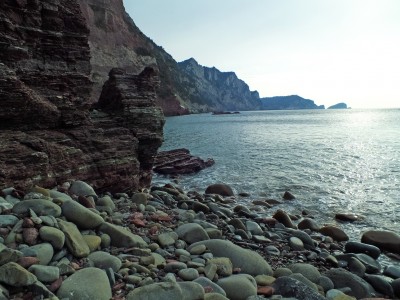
331 160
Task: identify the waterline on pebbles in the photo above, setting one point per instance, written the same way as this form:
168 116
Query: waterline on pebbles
164 242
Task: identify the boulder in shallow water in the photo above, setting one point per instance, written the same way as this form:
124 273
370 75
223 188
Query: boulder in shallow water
334 232
288 196
179 161
220 189
384 240
283 217
348 217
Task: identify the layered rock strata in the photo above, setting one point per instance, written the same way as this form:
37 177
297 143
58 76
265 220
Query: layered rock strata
179 161
131 102
47 132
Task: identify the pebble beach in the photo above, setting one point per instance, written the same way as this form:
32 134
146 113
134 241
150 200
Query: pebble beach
165 243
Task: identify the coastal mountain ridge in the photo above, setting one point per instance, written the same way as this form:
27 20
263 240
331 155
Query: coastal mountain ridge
185 87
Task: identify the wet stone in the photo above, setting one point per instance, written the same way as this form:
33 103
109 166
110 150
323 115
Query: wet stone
392 271
14 275
174 266
356 247
188 274
45 273
296 244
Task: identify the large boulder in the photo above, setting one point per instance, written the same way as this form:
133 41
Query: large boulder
384 240
342 278
238 287
248 261
156 291
220 189
191 233
86 284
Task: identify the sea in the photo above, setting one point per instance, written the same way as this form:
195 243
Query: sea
333 161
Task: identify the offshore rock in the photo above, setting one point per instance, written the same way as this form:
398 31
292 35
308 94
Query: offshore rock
46 126
179 161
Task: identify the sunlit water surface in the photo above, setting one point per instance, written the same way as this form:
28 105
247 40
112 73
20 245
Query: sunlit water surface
331 160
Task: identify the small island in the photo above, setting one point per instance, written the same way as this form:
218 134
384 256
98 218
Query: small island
340 105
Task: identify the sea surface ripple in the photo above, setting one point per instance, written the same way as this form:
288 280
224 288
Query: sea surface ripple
331 160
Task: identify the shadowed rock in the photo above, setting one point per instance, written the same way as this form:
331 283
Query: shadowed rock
45 122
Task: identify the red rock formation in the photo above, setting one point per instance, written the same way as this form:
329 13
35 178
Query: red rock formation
179 161
47 132
45 51
131 100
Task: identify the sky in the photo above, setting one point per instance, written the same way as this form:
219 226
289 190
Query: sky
329 51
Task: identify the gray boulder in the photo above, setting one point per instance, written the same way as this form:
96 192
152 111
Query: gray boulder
342 278
250 262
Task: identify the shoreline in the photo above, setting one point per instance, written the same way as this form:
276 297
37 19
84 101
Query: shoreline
190 244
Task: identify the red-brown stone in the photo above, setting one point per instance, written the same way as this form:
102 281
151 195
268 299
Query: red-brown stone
28 261
179 161
30 235
267 291
48 131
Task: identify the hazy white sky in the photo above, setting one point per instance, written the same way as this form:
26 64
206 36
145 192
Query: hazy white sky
329 51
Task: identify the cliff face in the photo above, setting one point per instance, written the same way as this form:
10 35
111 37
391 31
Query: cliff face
288 102
47 131
211 89
115 41
46 59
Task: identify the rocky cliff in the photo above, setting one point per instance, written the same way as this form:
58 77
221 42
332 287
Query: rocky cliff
115 41
209 88
48 133
288 102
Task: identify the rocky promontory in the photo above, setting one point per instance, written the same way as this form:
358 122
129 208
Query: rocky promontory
288 102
